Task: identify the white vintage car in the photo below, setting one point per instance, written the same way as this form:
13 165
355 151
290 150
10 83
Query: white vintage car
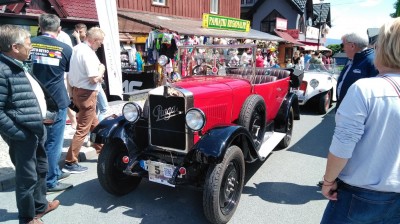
318 87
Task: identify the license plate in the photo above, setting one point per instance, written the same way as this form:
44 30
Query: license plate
160 172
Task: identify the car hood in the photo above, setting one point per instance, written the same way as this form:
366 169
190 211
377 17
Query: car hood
204 85
316 75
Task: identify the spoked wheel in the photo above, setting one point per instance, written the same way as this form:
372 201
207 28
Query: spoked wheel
223 186
324 102
253 118
202 70
110 167
285 142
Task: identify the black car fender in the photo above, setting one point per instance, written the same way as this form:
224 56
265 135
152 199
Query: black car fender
291 100
212 146
119 129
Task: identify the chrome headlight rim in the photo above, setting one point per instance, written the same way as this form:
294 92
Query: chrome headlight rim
199 114
132 112
314 83
163 60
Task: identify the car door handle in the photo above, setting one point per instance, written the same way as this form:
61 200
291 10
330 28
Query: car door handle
278 89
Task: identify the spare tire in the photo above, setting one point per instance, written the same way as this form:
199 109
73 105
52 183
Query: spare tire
253 117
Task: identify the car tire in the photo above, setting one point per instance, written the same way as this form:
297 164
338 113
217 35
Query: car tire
253 118
324 102
110 170
285 142
223 186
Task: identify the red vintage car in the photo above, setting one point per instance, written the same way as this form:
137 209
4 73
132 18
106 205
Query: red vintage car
200 131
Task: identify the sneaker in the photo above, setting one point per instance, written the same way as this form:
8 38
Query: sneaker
59 187
74 168
50 207
63 176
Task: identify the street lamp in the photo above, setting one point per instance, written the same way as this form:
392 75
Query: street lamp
319 24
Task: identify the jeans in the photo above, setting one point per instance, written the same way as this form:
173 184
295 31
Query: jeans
102 105
30 161
359 205
85 100
54 145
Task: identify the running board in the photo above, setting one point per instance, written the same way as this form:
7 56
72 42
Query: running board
269 144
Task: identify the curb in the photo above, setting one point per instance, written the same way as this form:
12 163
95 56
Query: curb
87 153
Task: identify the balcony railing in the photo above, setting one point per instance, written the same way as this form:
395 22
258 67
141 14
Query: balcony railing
246 3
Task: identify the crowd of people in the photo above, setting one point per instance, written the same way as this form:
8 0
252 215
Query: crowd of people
362 176
35 105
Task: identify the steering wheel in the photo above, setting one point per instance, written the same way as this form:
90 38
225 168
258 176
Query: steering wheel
203 69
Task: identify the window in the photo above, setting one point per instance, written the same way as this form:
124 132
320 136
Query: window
302 26
159 2
214 6
268 24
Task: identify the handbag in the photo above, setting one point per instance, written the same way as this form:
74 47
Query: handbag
73 107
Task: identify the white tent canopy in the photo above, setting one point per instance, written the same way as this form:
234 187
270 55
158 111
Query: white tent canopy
314 48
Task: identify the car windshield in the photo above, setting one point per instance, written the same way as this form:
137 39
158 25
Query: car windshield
320 67
215 59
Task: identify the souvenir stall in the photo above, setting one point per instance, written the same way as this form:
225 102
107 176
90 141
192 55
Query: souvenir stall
164 36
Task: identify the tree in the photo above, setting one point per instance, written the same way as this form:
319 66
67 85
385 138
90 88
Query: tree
396 6
335 48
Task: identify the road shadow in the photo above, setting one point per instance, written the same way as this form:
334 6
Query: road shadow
284 193
8 216
317 141
150 202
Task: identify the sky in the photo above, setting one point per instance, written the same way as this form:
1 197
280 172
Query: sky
357 15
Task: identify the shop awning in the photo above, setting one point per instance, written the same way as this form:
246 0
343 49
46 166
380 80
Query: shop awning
314 48
187 26
288 38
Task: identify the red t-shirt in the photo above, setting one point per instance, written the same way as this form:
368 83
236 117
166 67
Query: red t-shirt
259 61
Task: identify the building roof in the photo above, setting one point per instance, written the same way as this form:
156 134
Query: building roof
325 10
301 4
189 26
78 8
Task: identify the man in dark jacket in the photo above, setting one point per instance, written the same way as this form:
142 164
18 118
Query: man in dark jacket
25 106
360 64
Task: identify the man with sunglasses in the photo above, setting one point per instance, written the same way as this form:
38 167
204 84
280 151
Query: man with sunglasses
360 64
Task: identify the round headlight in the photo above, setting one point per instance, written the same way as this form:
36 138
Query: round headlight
162 60
314 83
131 112
195 119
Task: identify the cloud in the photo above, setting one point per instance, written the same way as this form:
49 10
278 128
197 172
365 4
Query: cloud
370 3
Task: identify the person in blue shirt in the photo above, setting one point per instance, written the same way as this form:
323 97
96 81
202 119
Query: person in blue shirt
362 175
50 60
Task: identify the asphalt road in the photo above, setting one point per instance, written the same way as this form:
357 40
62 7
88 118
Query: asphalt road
282 189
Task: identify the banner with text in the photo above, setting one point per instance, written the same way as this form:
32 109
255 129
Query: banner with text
225 23
107 14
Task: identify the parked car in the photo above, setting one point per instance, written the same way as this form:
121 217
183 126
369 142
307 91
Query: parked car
200 130
318 87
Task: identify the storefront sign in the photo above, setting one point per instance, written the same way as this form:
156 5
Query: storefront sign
281 24
225 23
294 33
312 32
